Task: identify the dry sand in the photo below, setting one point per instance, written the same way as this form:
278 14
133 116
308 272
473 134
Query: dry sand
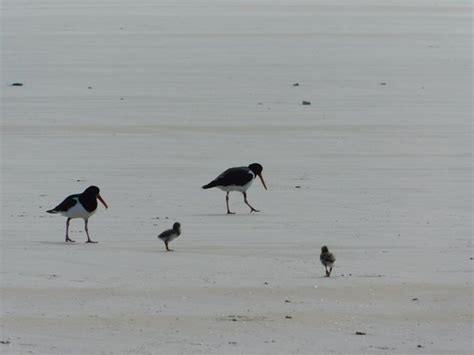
180 91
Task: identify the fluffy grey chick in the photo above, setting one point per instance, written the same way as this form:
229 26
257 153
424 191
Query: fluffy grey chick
327 259
170 234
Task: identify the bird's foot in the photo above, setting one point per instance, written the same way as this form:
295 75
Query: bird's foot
70 240
254 210
228 212
91 241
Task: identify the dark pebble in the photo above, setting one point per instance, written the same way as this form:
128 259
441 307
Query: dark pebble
420 346
287 301
17 84
414 299
6 342
360 333
296 84
297 187
383 83
288 317
306 102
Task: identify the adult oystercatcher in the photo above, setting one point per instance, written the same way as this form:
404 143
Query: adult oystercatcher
170 234
80 206
238 179
327 259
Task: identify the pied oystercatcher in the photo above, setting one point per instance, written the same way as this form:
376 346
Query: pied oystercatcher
170 234
238 179
327 259
80 206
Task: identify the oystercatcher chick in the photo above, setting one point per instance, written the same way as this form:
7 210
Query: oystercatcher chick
238 179
80 206
170 234
327 259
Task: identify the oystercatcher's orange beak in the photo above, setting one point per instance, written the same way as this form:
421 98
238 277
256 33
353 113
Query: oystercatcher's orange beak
263 181
102 200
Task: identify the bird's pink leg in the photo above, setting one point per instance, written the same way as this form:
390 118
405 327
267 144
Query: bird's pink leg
87 232
248 204
67 231
227 203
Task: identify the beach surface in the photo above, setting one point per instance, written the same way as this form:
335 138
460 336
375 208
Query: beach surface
150 100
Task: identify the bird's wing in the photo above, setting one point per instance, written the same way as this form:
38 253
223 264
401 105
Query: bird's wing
328 257
68 202
166 234
234 176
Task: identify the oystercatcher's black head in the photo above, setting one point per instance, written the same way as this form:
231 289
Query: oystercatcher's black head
324 249
94 192
257 170
177 227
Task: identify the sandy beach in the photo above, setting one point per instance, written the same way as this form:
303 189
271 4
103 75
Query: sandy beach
149 100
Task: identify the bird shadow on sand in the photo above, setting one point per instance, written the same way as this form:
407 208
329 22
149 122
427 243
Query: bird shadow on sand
61 243
221 214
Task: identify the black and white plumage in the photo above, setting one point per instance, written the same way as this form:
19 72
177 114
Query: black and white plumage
82 205
327 259
238 179
170 234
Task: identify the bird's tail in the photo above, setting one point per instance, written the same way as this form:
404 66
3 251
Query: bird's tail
52 211
210 185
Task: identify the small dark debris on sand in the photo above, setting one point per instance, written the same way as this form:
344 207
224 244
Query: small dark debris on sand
17 84
265 283
297 187
381 347
232 342
306 102
288 317
420 346
287 301
296 84
89 87
5 342
360 333
383 83
236 318
414 299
